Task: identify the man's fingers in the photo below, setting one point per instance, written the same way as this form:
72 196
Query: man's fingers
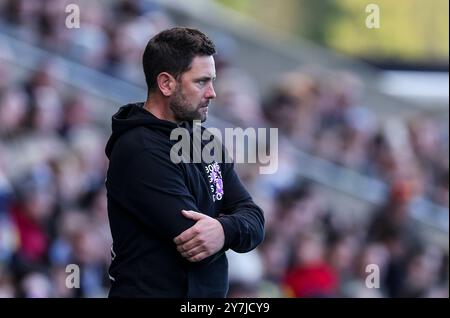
193 215
198 257
186 246
192 231
187 235
193 252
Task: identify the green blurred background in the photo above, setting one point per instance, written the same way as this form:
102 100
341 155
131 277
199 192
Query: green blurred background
411 31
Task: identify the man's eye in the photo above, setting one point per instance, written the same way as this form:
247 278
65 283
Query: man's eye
202 82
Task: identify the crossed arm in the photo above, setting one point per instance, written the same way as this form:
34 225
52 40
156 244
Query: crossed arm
202 240
175 216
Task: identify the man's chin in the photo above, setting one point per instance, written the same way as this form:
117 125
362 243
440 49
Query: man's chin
203 116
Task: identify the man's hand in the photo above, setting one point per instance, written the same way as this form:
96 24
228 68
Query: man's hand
201 240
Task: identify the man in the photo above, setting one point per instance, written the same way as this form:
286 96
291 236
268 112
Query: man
171 223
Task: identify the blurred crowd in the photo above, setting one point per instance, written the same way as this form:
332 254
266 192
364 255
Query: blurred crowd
52 170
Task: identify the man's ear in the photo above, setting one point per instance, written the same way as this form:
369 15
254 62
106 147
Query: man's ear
166 83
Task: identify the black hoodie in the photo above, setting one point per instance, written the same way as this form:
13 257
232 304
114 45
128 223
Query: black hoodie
146 192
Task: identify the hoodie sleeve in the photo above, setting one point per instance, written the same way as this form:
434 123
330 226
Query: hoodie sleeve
242 219
158 204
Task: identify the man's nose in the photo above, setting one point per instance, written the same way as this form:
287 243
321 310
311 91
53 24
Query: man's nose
210 93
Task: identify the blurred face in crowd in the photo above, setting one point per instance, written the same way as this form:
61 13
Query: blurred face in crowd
310 251
39 205
194 90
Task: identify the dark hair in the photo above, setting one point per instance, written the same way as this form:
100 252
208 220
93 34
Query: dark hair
172 51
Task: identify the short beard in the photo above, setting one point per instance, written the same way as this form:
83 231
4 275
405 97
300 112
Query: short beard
180 108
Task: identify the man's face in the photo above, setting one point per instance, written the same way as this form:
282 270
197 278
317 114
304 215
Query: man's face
194 90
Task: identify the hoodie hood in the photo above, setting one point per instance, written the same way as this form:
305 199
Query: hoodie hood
134 115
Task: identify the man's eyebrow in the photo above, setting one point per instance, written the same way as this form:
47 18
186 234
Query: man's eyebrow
205 78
